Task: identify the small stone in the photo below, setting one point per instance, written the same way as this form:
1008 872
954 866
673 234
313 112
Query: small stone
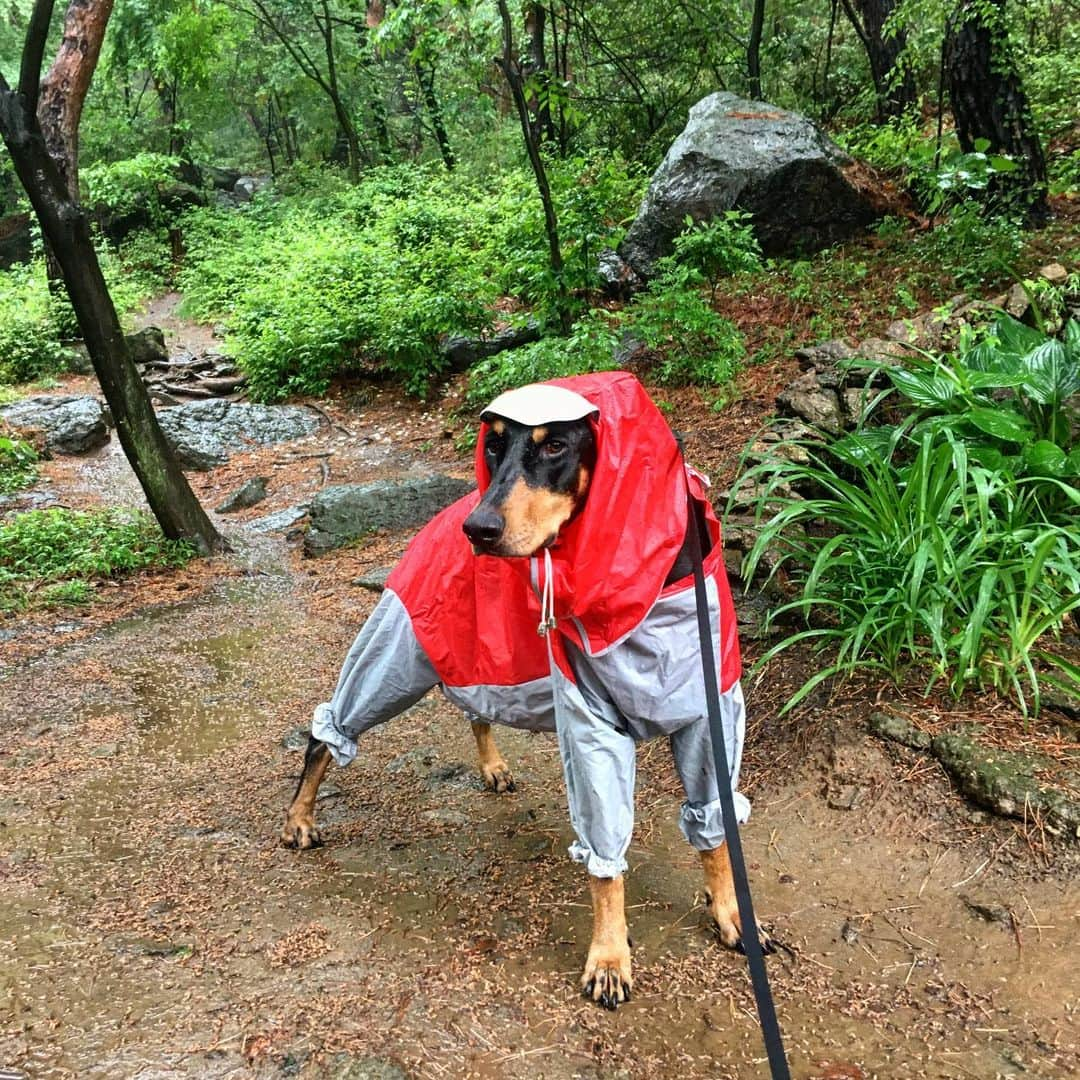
448 817
849 933
899 729
417 760
147 346
328 791
1054 272
1017 301
373 580
988 912
248 494
105 750
275 522
845 798
297 739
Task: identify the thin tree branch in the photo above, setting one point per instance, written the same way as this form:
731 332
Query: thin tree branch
37 32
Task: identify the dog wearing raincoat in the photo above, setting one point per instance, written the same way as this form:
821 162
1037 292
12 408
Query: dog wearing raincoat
559 597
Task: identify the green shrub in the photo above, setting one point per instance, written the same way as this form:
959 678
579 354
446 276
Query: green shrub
949 542
18 464
317 282
52 554
590 346
973 246
32 321
128 184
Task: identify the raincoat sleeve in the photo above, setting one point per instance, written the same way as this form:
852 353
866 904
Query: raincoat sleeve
384 673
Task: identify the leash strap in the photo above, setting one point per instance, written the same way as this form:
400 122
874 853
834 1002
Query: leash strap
770 1028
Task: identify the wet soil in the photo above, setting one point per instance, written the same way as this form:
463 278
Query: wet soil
152 926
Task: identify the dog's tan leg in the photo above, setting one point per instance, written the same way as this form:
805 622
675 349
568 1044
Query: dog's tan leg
606 978
300 830
720 899
496 772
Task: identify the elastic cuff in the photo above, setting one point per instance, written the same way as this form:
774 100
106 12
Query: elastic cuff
703 824
324 728
597 867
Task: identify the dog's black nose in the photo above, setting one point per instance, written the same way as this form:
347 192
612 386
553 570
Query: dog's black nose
484 525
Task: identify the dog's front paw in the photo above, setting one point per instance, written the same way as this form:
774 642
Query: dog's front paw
301 833
497 776
606 979
728 927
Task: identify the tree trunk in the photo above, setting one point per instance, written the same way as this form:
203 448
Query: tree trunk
895 92
509 66
753 49
425 76
65 227
537 68
988 101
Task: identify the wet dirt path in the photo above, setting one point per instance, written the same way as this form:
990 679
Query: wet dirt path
151 925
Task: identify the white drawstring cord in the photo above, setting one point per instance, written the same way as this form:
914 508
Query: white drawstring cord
547 599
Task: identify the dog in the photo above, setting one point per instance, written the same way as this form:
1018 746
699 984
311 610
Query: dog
559 597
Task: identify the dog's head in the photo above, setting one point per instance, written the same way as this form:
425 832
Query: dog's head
540 451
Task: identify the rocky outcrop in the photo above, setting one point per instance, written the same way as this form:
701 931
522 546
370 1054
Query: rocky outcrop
460 353
69 424
250 493
751 156
147 346
345 512
205 433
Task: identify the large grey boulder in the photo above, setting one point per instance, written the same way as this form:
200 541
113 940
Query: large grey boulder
71 424
747 155
345 512
205 433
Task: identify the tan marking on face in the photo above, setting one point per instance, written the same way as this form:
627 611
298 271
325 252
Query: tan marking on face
499 427
583 478
539 434
532 515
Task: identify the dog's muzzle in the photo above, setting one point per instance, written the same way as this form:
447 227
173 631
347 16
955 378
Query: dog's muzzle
484 527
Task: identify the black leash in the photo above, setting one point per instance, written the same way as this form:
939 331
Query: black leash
770 1028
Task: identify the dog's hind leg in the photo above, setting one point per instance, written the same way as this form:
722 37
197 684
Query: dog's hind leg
496 772
721 901
606 979
300 830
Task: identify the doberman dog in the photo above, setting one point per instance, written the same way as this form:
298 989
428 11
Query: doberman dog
540 480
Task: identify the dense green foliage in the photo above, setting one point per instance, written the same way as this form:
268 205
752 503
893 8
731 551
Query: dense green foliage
950 541
18 464
52 556
376 274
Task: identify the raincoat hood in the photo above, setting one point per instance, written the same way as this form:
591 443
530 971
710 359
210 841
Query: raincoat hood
476 616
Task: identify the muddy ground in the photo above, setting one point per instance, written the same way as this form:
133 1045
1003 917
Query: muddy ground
152 926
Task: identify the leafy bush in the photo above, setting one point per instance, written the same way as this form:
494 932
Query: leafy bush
590 346
50 554
973 246
18 464
950 541
316 283
125 185
32 321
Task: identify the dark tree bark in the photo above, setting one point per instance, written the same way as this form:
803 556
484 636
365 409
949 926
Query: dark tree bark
64 224
425 76
536 69
510 68
895 92
988 101
753 49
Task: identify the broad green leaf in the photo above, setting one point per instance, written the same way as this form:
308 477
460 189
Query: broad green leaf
1002 423
1046 458
1051 377
923 388
1014 337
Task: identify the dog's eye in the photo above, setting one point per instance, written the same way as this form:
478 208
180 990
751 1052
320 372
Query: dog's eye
553 448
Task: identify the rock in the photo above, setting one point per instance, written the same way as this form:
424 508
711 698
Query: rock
275 522
1017 302
221 179
461 353
205 433
246 187
1055 273
844 797
618 277
807 399
366 1068
15 246
297 739
899 729
147 346
417 761
373 580
824 355
455 775
247 494
78 359
178 197
70 424
344 512
751 156
1007 781
993 913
